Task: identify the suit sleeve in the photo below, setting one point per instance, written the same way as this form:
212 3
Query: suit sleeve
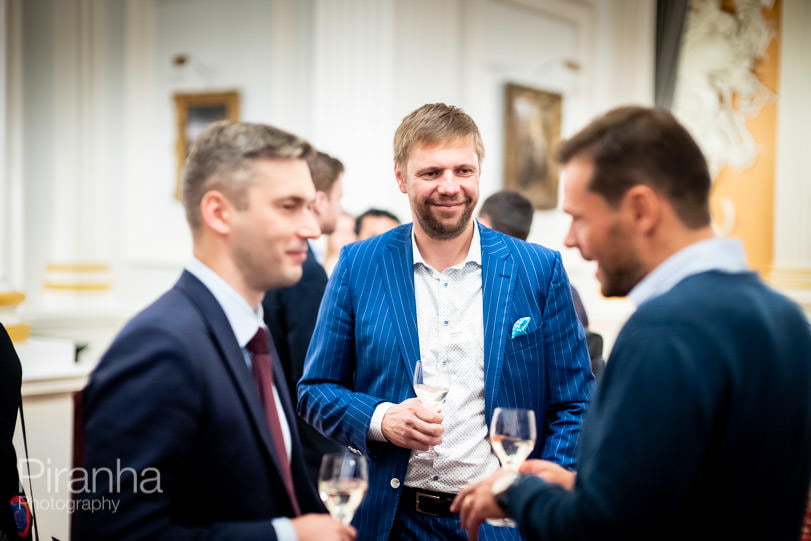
141 410
569 370
325 396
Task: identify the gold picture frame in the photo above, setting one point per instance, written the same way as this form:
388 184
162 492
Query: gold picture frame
531 135
193 112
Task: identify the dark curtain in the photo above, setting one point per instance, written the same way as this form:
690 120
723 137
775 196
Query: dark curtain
670 20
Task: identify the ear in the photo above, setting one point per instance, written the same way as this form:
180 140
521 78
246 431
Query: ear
642 206
401 183
320 203
216 211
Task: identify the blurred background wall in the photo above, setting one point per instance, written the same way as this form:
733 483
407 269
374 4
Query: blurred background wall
92 231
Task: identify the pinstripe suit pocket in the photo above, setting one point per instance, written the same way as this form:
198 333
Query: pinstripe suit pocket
524 342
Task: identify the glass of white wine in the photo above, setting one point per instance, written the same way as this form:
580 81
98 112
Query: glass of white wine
342 482
431 385
512 435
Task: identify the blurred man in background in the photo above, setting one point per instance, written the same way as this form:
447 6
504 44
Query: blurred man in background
374 222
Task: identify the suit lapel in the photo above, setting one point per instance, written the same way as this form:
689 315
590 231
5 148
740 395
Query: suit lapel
223 336
498 278
398 268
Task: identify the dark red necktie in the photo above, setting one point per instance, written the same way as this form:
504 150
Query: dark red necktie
259 347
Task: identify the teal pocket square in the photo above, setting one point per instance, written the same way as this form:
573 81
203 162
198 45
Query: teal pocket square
520 326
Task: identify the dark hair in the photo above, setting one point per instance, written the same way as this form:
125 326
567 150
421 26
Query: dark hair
637 145
375 213
508 212
222 157
325 170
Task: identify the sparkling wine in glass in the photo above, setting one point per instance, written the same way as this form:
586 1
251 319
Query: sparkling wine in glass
512 435
431 385
342 482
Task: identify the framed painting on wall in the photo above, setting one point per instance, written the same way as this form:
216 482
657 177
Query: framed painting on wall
531 134
193 112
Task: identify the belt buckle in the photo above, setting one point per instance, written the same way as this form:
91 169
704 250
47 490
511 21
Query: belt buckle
434 499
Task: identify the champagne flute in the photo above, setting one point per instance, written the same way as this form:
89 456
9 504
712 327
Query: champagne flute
512 435
431 385
342 482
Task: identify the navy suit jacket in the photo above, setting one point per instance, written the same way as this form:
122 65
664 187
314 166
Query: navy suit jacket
173 393
290 314
366 342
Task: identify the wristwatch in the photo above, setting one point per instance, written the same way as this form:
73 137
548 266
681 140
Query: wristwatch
501 485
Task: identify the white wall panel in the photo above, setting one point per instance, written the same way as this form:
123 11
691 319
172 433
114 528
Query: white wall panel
342 73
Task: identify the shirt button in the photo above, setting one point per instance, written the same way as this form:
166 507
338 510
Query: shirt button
395 483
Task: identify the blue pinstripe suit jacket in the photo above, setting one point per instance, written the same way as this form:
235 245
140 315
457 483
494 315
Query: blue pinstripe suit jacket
365 343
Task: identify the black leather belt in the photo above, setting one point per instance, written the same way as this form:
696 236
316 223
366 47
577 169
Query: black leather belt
428 502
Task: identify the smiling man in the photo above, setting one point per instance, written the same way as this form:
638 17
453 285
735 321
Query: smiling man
701 428
189 392
495 311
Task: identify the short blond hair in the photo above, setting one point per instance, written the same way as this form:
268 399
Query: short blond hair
432 123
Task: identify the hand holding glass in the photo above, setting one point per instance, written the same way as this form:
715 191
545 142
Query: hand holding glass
512 435
431 390
342 483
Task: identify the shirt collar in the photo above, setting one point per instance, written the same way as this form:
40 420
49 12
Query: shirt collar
474 253
725 255
244 320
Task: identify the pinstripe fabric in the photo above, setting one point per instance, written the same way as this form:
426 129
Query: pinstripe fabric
365 344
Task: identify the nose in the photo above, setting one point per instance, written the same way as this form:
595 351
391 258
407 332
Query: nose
448 184
569 240
309 228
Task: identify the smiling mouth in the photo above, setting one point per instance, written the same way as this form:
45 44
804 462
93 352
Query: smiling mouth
448 206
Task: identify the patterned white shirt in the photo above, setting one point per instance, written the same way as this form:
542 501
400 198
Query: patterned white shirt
451 330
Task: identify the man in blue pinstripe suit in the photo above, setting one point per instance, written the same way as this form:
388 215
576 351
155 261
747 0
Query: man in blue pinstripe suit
494 310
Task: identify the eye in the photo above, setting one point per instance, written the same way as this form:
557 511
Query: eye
431 173
465 171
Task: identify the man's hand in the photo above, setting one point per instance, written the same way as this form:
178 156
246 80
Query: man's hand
550 472
321 526
411 425
475 503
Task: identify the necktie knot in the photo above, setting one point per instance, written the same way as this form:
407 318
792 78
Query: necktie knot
259 344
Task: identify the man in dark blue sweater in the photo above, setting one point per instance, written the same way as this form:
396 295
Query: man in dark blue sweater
701 426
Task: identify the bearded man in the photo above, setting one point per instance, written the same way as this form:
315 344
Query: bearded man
493 311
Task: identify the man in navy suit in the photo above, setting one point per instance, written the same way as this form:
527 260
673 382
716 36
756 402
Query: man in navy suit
701 426
495 311
290 312
188 425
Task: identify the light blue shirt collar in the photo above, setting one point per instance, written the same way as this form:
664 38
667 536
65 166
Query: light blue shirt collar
474 253
725 255
244 320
